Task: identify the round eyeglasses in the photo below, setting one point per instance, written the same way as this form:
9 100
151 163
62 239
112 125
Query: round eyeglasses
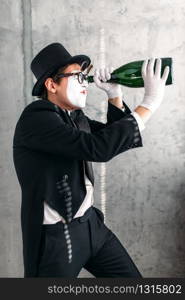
80 76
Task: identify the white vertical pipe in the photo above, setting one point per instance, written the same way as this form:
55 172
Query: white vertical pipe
103 106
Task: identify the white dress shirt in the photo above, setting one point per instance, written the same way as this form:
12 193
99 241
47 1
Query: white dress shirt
51 216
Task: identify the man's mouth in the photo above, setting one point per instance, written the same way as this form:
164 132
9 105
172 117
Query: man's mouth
84 92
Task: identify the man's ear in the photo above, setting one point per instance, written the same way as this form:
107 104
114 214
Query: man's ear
50 85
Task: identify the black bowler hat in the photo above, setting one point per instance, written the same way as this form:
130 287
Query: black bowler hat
49 60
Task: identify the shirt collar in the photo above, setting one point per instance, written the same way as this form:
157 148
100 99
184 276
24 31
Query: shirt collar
67 111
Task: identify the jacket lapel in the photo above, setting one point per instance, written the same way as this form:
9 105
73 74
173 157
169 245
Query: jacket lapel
79 120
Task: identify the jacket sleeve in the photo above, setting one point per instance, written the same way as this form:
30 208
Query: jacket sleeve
46 131
113 114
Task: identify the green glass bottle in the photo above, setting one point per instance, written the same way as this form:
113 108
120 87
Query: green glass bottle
130 74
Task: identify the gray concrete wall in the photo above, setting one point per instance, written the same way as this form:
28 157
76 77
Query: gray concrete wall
141 191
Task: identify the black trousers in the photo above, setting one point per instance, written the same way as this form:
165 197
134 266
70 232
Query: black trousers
94 247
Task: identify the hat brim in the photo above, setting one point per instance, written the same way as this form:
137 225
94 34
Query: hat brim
39 85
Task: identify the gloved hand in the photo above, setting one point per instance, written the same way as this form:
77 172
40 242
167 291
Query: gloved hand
154 84
112 89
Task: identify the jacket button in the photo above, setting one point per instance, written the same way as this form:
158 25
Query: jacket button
68 209
68 241
68 199
67 236
69 214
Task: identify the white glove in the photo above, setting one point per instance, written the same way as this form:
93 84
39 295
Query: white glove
112 89
154 84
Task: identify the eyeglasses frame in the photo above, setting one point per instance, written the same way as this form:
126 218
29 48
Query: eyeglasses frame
84 76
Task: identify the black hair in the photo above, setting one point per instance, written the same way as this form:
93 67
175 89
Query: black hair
44 94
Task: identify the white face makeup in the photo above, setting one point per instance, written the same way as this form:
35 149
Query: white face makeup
76 92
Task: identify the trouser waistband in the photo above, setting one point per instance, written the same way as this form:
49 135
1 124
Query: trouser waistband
74 221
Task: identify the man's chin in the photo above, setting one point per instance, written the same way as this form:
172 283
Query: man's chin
83 106
80 106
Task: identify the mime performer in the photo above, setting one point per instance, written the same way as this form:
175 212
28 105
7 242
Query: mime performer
54 146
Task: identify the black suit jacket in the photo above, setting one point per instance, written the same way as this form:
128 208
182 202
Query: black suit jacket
48 150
